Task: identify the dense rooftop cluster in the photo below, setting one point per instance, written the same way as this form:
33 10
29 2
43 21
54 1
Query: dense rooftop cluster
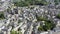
30 17
29 20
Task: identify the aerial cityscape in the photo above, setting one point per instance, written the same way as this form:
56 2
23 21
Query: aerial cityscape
29 16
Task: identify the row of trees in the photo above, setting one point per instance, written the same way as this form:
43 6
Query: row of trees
31 2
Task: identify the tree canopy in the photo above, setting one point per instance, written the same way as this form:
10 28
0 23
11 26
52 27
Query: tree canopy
58 16
2 15
56 2
48 26
16 32
31 2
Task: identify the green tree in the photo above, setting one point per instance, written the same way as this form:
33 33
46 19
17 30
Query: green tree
2 15
58 16
16 32
49 25
41 18
13 32
40 28
56 2
30 2
19 21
